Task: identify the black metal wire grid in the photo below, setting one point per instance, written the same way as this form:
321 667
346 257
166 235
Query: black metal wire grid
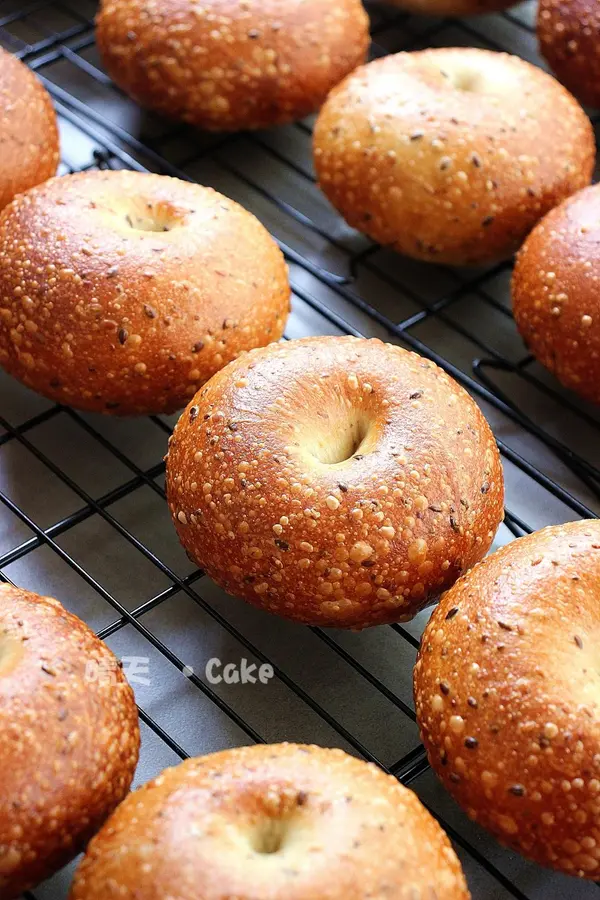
350 285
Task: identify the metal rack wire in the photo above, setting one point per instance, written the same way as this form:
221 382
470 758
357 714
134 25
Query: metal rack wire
342 283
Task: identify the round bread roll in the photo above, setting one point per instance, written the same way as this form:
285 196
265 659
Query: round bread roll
555 296
431 153
286 822
507 699
451 7
28 128
69 737
123 292
569 38
335 481
226 65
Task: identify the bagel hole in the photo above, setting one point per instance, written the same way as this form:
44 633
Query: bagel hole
467 80
269 837
341 441
152 217
11 652
145 224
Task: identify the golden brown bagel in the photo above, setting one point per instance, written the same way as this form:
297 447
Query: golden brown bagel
555 295
123 292
569 37
431 153
281 822
507 695
335 481
69 737
28 130
231 64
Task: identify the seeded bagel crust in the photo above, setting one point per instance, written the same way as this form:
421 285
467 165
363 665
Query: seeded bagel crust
555 296
335 481
281 822
507 697
69 737
28 129
231 64
569 37
451 155
124 292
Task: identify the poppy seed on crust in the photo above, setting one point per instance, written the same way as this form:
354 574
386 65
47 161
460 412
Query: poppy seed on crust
520 726
68 720
147 339
263 794
483 170
229 66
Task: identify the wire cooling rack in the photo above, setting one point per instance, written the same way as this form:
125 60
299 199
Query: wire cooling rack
82 507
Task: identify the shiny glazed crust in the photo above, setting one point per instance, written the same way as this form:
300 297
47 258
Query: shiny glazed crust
506 690
428 152
334 481
28 129
231 64
569 37
123 292
69 737
555 295
282 822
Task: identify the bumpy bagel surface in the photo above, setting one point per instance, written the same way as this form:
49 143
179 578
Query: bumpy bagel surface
69 737
123 292
507 695
555 296
430 153
335 481
28 129
231 64
569 37
283 822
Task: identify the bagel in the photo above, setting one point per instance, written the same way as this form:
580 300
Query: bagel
227 65
555 293
286 822
429 152
28 128
569 37
506 689
69 737
335 481
124 292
